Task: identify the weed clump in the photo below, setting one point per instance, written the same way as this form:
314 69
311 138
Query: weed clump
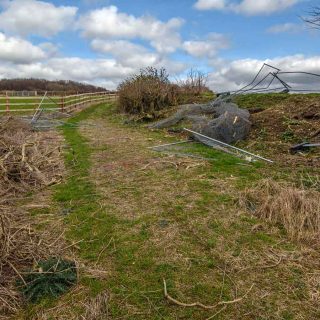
49 279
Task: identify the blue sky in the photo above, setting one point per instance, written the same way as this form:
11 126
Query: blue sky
104 41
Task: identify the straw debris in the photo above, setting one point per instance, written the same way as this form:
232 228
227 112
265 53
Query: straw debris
29 161
297 210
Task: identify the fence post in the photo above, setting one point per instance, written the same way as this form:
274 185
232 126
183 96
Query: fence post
77 100
7 102
62 102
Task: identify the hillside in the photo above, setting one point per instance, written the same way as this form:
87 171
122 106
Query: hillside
281 121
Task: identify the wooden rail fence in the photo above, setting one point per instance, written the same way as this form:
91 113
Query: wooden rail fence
63 103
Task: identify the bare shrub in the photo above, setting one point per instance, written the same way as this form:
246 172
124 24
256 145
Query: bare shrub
148 92
297 210
195 83
193 89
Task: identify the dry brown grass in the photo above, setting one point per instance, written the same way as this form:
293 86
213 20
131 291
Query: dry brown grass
297 210
29 161
77 305
97 308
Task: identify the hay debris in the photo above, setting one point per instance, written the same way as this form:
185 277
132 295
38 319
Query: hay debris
97 308
29 161
297 210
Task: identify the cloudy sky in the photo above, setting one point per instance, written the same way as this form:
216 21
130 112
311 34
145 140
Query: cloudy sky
103 41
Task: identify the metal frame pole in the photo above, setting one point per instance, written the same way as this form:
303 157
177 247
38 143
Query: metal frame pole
228 145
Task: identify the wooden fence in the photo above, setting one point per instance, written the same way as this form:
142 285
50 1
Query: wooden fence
62 103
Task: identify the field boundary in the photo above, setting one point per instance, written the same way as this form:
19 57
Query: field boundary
62 103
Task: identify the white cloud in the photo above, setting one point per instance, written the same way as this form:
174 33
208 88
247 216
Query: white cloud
210 4
17 50
248 7
74 68
207 48
109 23
106 72
126 52
254 7
129 54
238 73
286 28
31 17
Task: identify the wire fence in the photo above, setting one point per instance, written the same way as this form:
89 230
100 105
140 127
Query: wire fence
12 102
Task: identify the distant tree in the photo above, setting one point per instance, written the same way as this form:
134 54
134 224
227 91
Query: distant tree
313 18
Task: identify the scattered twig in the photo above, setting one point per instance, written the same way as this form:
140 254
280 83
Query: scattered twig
199 304
17 272
272 265
73 244
160 161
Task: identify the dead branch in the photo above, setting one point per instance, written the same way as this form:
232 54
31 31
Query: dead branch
29 161
199 304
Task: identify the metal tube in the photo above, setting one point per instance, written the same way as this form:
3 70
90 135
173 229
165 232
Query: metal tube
35 114
228 145
170 144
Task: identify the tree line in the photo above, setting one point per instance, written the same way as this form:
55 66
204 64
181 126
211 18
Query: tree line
46 85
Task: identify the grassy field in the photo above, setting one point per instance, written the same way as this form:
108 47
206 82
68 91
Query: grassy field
139 217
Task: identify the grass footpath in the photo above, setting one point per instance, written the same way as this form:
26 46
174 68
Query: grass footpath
142 217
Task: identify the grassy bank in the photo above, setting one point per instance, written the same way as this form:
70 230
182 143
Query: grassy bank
269 100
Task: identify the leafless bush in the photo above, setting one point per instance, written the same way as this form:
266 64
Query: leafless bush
195 83
297 210
148 92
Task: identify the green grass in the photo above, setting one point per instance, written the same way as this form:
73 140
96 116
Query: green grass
268 100
89 222
199 208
